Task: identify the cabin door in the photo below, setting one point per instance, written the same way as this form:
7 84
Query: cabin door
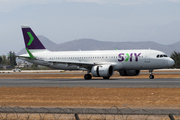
147 57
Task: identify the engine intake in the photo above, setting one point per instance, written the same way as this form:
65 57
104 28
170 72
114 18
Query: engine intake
129 72
102 71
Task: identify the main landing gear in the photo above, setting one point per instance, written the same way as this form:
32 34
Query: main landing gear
151 76
87 76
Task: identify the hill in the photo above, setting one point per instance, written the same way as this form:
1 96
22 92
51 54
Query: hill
90 44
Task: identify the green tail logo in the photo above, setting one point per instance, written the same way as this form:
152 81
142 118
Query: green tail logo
31 38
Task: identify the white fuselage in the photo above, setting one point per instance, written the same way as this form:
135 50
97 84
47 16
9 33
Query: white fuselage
119 59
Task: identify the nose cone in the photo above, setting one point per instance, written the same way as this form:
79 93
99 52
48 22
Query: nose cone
171 62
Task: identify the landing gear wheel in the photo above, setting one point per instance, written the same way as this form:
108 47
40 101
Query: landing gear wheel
151 77
90 76
87 76
106 77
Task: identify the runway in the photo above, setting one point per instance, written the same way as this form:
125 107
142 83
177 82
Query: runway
99 83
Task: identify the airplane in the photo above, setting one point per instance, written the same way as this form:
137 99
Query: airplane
97 63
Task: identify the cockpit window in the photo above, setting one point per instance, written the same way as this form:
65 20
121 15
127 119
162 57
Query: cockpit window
160 56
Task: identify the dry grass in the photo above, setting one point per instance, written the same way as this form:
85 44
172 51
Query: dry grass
91 97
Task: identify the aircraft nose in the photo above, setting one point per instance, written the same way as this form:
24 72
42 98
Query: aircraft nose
171 62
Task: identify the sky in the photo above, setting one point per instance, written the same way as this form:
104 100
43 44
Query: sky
104 20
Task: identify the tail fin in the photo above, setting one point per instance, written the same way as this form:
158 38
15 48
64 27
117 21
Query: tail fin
30 39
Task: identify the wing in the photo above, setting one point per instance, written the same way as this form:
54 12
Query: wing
87 65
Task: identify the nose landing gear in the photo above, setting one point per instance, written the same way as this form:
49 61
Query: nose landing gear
151 76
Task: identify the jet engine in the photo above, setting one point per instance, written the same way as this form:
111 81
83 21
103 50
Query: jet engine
104 71
129 72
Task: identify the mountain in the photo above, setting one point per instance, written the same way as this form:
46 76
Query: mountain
90 44
176 46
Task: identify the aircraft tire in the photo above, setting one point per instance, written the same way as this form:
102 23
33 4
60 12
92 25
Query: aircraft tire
87 76
90 76
151 77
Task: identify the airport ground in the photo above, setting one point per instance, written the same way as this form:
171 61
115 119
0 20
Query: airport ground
133 97
57 74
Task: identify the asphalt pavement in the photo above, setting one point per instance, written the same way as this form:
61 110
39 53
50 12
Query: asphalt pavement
101 83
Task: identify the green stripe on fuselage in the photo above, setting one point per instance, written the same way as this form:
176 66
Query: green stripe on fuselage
30 54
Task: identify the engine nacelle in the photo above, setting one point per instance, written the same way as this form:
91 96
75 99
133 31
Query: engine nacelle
102 71
129 72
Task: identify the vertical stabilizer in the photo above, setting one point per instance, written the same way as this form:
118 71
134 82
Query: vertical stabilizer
30 39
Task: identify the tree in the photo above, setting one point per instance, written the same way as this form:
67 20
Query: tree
176 57
5 61
1 59
12 58
34 67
